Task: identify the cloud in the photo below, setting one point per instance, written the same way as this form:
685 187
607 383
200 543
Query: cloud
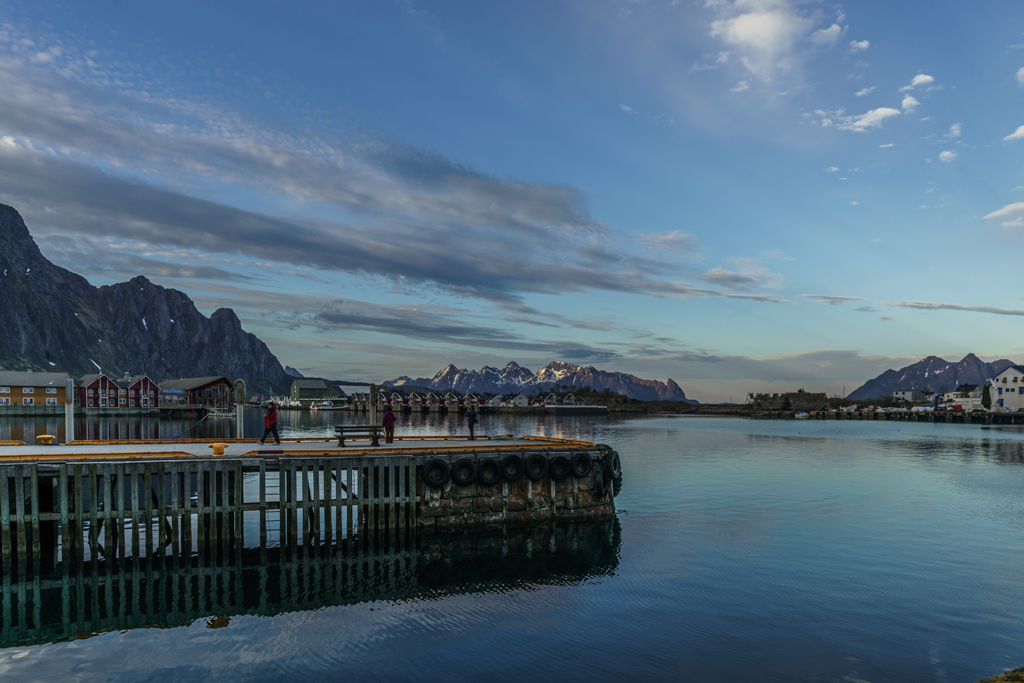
955 130
859 46
865 309
763 32
866 91
920 79
1020 76
831 169
741 86
887 145
910 103
935 306
627 109
676 240
885 318
1016 135
947 156
871 119
748 276
827 36
832 300
1015 209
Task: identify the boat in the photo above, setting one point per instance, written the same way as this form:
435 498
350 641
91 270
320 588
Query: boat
801 416
327 405
220 412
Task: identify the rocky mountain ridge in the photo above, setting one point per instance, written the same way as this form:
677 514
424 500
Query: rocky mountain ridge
931 373
55 320
515 378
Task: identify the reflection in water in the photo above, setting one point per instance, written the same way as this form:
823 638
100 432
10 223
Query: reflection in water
82 599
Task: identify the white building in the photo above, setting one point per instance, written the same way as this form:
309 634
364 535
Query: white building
912 395
1007 389
967 396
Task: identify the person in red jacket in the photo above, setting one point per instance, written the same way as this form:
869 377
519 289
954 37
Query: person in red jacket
270 424
389 425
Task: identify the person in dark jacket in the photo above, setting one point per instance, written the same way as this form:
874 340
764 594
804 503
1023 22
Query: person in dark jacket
270 424
471 422
389 425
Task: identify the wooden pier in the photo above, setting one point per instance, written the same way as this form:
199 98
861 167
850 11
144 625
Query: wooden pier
942 417
120 501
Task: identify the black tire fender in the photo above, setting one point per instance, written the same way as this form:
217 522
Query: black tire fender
581 465
488 472
537 466
599 483
464 472
437 473
559 467
614 464
513 467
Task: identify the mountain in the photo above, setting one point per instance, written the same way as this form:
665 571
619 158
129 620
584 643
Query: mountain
54 320
292 372
515 378
931 373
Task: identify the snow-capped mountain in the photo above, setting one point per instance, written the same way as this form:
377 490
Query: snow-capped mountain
931 373
515 378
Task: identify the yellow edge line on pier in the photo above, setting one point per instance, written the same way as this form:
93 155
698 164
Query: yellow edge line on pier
12 443
307 439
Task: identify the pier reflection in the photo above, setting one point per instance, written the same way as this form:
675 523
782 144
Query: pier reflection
79 599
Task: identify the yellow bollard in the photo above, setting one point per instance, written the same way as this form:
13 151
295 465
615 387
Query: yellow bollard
218 448
47 439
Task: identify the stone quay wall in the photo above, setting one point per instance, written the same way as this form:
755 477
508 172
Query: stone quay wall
512 503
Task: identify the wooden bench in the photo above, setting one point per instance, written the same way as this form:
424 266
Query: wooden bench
373 431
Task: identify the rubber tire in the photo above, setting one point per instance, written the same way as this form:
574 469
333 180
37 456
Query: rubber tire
614 464
437 473
488 472
458 467
513 467
560 467
581 465
599 483
537 466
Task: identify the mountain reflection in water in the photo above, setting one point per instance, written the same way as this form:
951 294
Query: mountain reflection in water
164 592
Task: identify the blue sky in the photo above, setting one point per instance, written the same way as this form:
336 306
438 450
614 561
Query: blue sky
742 195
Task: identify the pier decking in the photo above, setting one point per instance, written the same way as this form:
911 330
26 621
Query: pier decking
119 500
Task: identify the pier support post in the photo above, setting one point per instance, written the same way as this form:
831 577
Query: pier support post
69 411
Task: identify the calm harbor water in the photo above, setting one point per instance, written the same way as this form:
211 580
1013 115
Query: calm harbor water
742 550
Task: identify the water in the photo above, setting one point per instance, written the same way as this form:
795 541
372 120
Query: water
742 550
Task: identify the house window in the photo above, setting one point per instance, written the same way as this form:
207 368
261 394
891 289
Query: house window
5 401
51 390
5 390
28 401
1000 391
122 401
91 403
122 392
27 390
51 401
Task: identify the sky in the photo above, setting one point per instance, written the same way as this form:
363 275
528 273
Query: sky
740 195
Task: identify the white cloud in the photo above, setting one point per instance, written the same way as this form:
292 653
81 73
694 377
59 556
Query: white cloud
1020 76
1007 211
1015 223
832 300
1016 135
920 79
865 91
763 31
886 146
677 241
871 119
627 109
827 36
909 103
859 46
955 130
749 275
740 87
831 169
947 156
855 203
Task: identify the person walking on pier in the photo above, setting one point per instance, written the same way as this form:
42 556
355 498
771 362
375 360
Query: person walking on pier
270 424
389 425
471 422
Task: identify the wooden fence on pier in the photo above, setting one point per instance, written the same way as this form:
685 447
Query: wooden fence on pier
133 509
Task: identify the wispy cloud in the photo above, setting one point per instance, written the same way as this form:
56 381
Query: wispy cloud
947 156
872 119
749 275
918 80
1016 135
866 91
677 241
936 306
832 300
955 130
859 45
